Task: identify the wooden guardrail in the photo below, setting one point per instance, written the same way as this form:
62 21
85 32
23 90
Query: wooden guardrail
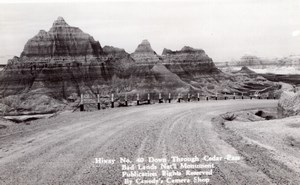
151 98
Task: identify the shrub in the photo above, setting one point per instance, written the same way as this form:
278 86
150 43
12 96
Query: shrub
229 117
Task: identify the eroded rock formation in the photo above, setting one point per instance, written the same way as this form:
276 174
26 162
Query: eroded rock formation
63 63
144 54
60 41
284 65
189 64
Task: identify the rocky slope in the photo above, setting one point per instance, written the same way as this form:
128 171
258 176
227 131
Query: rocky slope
289 104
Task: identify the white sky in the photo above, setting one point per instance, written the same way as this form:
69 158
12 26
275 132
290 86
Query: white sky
225 29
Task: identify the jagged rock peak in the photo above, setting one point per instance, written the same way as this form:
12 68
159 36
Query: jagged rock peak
145 54
144 47
60 22
167 51
60 41
245 69
185 49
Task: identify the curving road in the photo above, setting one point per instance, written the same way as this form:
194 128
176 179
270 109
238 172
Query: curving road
62 150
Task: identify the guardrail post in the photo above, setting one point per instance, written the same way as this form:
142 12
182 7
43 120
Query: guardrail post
81 103
112 101
234 96
216 96
169 97
126 101
149 98
159 98
98 101
189 98
137 99
198 96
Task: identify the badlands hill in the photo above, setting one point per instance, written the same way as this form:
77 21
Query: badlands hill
285 69
284 65
59 65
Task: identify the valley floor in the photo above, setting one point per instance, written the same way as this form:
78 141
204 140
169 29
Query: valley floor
62 150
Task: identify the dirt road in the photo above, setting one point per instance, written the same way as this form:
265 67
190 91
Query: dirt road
62 150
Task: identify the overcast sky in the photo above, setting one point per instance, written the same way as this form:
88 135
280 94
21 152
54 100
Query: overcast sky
225 29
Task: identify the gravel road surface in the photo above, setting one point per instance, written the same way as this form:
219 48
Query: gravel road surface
62 150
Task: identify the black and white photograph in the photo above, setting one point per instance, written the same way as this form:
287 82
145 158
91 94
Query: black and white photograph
149 92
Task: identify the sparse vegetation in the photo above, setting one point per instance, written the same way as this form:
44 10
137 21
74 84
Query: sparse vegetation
259 113
229 117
